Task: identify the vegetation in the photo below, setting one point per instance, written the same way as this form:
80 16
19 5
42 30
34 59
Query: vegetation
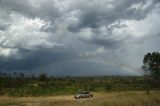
152 68
19 84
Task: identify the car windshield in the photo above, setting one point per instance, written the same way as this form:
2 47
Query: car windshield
83 92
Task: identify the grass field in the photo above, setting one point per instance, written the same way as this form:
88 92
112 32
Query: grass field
131 98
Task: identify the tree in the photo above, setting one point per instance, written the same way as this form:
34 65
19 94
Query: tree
151 66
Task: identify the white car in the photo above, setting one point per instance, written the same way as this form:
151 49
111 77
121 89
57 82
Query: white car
83 94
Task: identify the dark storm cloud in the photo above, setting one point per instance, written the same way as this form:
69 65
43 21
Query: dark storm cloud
109 43
70 37
106 40
33 9
33 59
104 14
95 18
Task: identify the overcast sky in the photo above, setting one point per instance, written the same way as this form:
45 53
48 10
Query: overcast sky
78 37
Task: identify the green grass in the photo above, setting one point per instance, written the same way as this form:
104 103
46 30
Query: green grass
22 87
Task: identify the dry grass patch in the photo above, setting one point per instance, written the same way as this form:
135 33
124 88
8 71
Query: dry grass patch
135 98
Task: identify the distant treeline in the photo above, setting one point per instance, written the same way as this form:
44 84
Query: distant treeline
19 84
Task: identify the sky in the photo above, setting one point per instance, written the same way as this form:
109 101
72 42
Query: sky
78 37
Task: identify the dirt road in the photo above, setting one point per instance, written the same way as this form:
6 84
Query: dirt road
135 98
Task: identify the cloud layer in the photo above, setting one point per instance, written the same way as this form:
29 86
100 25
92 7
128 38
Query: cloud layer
85 37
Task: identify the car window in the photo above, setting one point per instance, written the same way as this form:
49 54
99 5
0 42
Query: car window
86 93
83 92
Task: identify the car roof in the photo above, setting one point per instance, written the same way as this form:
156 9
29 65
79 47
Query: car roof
84 92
